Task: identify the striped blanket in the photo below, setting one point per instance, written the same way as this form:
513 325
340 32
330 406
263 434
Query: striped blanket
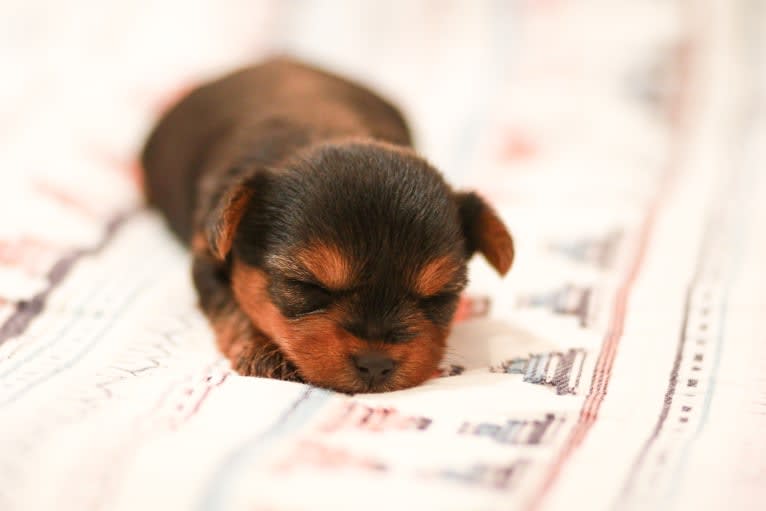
620 366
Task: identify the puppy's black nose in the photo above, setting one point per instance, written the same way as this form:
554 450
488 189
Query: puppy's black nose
373 367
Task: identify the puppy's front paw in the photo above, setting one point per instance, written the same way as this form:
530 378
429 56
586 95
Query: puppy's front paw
265 361
251 352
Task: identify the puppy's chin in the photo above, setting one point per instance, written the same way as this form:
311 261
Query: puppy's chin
324 352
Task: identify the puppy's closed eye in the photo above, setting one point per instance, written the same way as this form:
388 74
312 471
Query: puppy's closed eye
301 297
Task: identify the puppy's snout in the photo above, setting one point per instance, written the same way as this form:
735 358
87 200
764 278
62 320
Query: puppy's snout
373 368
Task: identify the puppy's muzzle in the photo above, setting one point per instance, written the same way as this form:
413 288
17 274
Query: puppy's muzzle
373 368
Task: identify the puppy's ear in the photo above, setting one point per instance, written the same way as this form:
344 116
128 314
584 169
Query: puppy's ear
226 210
484 231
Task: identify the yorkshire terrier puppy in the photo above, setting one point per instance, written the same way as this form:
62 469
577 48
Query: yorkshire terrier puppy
325 250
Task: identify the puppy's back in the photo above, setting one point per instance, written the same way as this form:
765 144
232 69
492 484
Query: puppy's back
263 113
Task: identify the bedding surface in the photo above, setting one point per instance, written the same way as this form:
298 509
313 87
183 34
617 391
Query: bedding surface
619 366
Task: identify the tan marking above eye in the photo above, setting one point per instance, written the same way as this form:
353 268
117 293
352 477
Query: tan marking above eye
436 274
328 265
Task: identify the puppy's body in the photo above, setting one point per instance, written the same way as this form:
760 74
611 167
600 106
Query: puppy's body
257 116
325 249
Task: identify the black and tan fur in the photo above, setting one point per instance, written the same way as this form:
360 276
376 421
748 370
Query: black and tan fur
325 249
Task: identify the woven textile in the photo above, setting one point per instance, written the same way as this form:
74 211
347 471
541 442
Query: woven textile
618 367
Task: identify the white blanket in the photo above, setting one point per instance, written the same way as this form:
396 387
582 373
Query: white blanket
619 366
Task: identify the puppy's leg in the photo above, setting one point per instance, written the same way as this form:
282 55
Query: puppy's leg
250 351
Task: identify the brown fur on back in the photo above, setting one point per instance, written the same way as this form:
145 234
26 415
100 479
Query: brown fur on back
261 114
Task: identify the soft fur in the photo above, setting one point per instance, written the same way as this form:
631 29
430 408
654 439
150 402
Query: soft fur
325 249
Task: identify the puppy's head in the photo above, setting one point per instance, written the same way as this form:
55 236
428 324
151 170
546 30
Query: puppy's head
352 258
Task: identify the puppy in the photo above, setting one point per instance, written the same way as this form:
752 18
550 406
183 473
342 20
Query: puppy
325 250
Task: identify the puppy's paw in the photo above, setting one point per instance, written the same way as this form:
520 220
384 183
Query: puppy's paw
250 351
266 361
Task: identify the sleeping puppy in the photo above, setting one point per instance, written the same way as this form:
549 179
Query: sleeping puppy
325 250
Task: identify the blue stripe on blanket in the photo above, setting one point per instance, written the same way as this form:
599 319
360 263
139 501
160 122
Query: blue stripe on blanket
746 185
296 416
141 284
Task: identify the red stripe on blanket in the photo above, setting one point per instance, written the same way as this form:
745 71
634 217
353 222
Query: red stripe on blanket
608 353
